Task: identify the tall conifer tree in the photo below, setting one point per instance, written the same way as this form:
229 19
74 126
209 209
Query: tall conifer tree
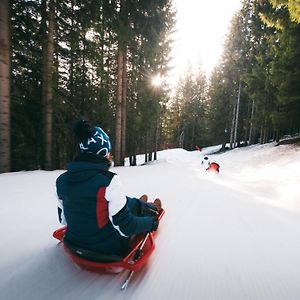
4 87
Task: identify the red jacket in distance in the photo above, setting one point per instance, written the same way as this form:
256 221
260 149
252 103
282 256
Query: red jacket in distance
214 167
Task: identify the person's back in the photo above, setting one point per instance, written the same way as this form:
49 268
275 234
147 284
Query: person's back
95 207
215 167
78 188
209 165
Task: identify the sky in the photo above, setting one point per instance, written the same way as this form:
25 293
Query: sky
201 28
227 236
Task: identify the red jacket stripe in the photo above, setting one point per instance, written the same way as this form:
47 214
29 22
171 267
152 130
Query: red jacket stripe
102 208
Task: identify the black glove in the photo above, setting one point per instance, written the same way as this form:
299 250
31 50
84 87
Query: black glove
155 224
148 209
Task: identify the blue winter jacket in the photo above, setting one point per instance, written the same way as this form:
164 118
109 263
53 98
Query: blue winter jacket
90 224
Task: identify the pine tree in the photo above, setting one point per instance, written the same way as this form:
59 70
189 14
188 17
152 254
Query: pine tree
4 87
48 49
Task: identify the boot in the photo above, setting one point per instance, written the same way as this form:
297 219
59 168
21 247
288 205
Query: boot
144 198
157 203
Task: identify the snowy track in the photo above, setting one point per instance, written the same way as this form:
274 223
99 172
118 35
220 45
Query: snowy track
229 236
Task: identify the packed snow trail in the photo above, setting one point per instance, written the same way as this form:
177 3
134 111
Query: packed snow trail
233 235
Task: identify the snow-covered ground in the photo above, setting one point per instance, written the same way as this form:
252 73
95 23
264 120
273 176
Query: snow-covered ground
233 235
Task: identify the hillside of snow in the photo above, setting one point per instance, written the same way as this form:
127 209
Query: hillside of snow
233 235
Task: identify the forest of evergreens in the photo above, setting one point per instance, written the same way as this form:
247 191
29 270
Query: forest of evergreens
60 60
253 95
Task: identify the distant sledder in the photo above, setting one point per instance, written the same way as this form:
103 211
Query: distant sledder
210 166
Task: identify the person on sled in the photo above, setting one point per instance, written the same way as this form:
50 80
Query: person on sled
210 166
92 203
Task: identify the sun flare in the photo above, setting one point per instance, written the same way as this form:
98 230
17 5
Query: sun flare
157 80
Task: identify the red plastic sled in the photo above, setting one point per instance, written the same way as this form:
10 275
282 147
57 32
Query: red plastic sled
142 247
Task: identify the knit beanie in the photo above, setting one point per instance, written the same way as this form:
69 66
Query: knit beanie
91 139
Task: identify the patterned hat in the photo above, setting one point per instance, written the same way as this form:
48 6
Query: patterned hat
98 143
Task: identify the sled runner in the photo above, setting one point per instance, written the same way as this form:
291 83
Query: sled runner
141 247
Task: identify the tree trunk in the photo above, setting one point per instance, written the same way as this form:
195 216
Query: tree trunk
277 135
247 124
232 127
237 116
146 148
48 89
261 134
83 79
124 95
193 135
157 134
132 160
4 87
118 133
121 86
251 130
72 51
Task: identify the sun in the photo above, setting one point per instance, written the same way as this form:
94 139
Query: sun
157 80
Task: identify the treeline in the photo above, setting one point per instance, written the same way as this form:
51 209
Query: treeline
60 60
253 95
64 59
186 121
